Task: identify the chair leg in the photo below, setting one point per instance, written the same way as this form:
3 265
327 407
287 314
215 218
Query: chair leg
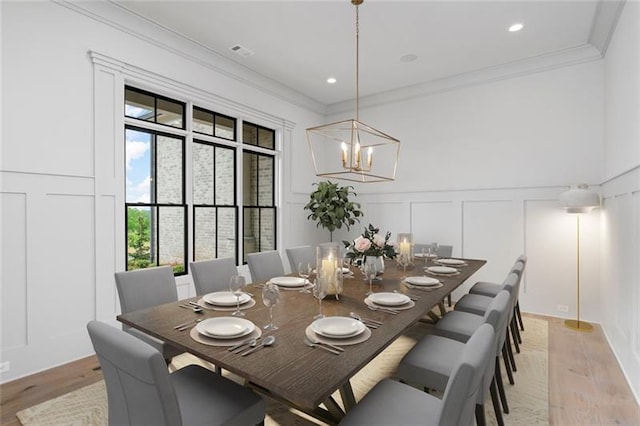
498 378
516 330
519 315
507 364
443 310
515 339
510 351
481 420
449 300
496 403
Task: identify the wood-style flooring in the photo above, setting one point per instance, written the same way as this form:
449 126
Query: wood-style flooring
586 385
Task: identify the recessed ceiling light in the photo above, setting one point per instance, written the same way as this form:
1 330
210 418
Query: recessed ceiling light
516 27
408 58
331 80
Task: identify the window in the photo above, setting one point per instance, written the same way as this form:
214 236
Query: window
159 231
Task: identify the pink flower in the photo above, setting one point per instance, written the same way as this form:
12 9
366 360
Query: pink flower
361 244
378 240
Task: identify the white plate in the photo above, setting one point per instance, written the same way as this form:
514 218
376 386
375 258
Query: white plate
422 281
338 327
225 327
424 255
288 281
452 262
389 299
225 298
442 270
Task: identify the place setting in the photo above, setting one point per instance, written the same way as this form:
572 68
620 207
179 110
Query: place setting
291 283
390 302
422 283
444 271
330 333
225 331
226 301
451 262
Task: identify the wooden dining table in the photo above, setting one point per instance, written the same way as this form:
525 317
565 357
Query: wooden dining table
290 371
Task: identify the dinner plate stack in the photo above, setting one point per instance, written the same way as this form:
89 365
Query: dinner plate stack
338 331
224 331
442 270
451 262
289 283
426 282
388 300
225 299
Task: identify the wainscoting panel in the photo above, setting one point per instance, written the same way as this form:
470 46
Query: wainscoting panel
635 308
388 216
623 285
13 303
490 231
436 221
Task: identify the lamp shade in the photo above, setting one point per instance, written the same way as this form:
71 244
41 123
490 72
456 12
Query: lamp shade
579 199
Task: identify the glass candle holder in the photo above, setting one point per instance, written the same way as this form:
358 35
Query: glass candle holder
329 268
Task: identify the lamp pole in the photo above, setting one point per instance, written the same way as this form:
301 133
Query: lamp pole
577 324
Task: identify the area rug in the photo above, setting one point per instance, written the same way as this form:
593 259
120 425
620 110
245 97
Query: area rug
528 399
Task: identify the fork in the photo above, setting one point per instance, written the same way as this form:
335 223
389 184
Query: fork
387 310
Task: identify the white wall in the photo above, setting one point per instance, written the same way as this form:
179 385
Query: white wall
62 162
620 226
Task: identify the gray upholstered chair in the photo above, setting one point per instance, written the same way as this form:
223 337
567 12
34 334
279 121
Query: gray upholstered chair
265 265
142 289
431 361
393 403
490 289
213 275
443 250
301 254
140 389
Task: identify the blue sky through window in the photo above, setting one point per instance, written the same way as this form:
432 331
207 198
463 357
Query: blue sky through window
138 166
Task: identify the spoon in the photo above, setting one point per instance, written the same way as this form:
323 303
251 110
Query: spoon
267 342
189 325
196 309
326 348
389 311
250 343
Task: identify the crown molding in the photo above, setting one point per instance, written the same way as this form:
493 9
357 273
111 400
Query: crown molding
118 17
604 23
559 59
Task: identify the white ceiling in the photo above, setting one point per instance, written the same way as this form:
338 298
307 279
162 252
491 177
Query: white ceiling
302 43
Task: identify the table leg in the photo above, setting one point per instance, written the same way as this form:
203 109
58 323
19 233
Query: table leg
348 399
333 408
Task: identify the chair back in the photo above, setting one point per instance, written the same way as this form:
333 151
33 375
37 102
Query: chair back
459 399
445 251
265 265
139 389
213 275
304 254
144 288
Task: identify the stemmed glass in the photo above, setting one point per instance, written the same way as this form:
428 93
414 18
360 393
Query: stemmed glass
319 292
404 261
237 285
304 270
270 298
370 271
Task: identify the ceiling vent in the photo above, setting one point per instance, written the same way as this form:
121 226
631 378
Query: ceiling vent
241 50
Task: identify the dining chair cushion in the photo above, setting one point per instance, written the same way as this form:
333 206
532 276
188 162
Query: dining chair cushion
478 304
144 288
140 390
301 254
213 275
265 265
486 288
393 403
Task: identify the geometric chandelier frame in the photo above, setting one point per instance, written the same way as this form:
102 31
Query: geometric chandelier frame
350 149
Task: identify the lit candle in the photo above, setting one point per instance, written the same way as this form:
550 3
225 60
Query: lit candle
329 271
369 157
357 154
405 247
344 154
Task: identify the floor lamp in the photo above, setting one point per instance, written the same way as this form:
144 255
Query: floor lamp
578 200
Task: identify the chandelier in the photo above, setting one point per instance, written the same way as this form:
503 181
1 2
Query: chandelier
350 149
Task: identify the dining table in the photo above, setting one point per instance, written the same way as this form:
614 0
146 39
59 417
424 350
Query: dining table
290 370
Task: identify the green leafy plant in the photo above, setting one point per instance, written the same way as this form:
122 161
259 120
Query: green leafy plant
331 207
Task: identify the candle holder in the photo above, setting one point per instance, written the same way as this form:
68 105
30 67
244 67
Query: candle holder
405 250
329 268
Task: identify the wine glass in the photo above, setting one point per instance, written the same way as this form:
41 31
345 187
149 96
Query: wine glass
304 270
237 285
404 261
370 272
270 298
319 292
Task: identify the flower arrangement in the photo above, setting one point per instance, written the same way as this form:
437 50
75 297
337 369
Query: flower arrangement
371 243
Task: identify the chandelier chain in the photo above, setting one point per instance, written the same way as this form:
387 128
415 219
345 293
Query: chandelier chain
357 61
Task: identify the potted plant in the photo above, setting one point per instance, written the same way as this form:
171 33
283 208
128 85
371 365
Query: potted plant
331 207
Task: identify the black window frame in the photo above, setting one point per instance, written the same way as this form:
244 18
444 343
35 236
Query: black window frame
156 97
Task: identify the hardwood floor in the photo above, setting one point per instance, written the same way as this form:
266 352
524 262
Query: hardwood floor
586 386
